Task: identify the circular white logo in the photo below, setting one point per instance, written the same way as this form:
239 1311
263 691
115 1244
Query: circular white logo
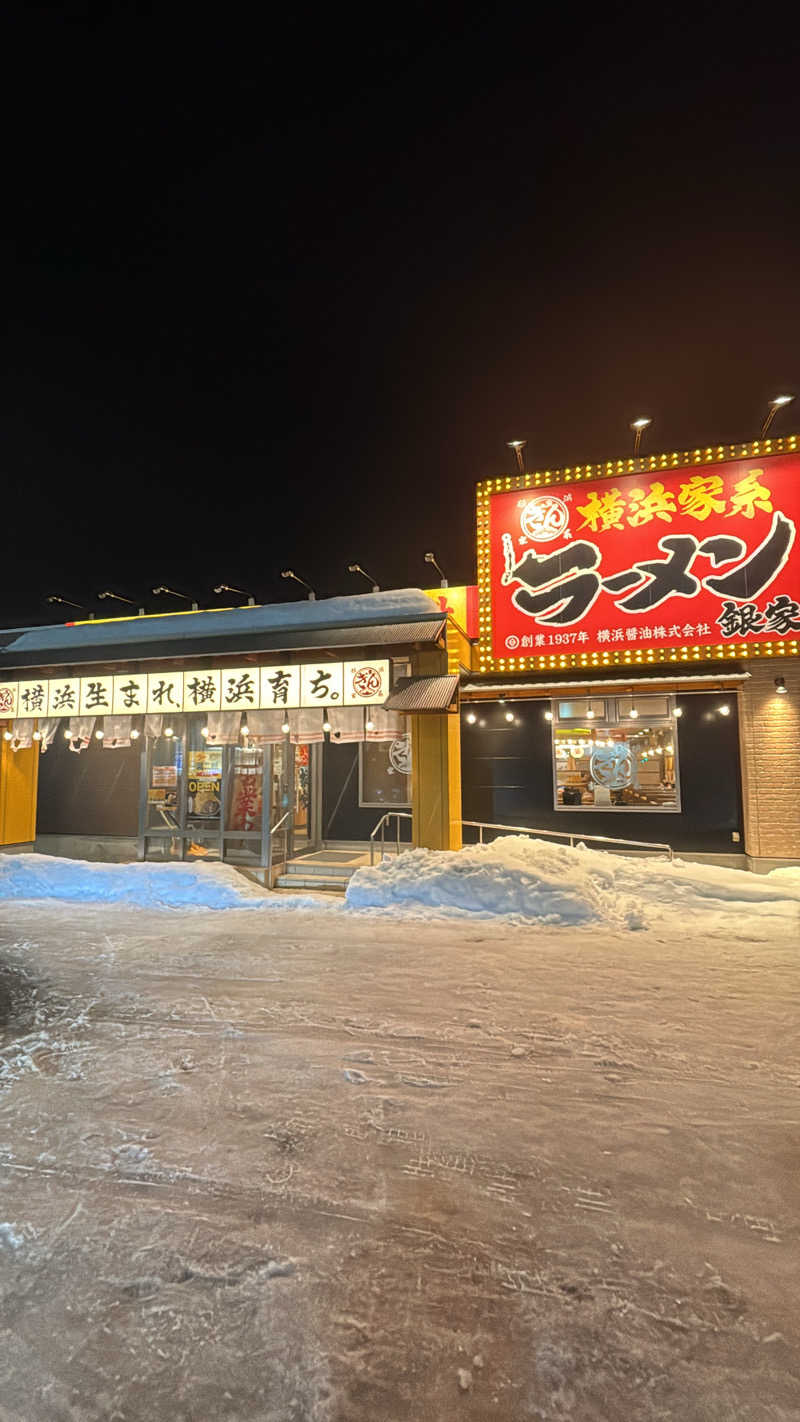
400 755
512 642
544 518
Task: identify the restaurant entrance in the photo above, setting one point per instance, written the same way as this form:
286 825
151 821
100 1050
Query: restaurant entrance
232 803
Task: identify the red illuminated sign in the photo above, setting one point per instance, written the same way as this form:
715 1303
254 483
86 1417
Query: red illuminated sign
707 554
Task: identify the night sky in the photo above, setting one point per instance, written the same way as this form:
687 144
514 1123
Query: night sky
279 297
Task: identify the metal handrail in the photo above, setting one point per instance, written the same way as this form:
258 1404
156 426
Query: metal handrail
273 828
381 825
481 825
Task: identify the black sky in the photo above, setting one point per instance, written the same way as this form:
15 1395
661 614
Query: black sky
279 296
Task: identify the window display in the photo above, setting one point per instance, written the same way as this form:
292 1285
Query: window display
625 758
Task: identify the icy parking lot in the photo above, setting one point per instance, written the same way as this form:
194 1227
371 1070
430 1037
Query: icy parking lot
331 1165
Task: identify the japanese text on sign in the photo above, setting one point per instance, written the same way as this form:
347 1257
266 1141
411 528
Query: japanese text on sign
361 683
661 560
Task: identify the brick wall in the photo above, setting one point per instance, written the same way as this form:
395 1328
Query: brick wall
769 735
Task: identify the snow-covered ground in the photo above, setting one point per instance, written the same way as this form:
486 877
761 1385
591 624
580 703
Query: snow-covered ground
521 879
325 1165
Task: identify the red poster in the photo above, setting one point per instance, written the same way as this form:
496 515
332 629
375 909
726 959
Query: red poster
702 555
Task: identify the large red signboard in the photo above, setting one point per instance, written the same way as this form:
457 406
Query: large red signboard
703 555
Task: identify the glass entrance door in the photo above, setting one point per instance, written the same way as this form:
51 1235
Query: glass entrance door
239 804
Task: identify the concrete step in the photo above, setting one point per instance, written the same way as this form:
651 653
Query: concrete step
309 870
335 884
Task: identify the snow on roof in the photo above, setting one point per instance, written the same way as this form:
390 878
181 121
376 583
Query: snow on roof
358 610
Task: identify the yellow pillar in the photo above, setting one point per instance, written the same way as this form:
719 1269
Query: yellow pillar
436 781
19 777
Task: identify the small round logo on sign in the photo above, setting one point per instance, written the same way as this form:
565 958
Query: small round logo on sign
544 518
6 700
366 682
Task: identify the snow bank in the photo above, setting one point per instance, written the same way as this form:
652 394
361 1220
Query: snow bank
177 886
533 879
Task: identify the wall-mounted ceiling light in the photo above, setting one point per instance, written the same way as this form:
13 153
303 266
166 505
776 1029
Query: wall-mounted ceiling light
245 729
204 731
509 715
678 711
8 736
289 573
369 724
633 713
724 709
357 568
37 735
285 727
168 731
590 714
548 715
326 726
518 446
68 734
99 734
135 734
429 558
774 406
780 686
471 718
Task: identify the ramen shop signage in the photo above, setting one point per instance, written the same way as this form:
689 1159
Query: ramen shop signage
324 684
704 555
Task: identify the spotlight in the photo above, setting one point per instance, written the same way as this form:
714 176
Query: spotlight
369 724
678 711
37 735
548 715
471 718
326 726
633 713
290 573
774 406
509 715
135 734
68 735
245 729
204 731
285 727
590 714
429 558
724 710
98 735
780 686
168 731
7 736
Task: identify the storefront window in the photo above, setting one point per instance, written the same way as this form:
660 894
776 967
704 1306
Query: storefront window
385 773
625 758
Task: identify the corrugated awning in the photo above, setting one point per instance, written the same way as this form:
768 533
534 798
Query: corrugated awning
415 694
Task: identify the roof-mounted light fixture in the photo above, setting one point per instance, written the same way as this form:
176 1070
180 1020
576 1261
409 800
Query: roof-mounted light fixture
518 445
357 568
639 426
429 558
774 406
226 587
65 602
781 687
289 573
172 593
117 598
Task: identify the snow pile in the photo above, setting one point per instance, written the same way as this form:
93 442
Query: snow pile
181 886
536 880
